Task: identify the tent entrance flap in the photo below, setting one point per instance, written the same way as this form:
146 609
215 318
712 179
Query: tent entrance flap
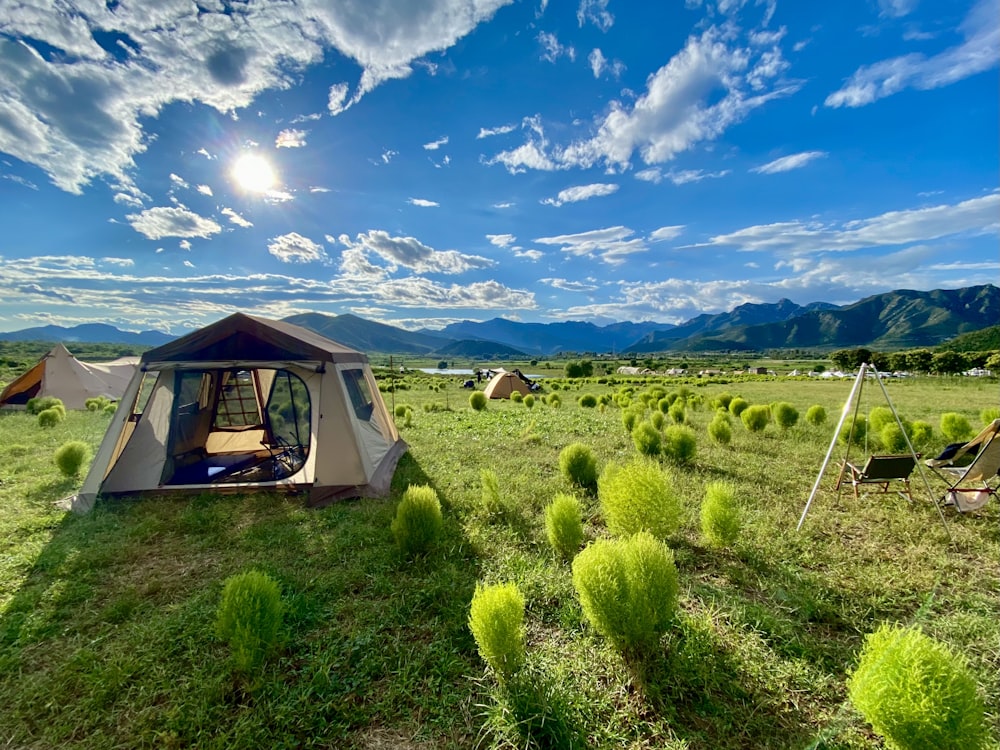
236 426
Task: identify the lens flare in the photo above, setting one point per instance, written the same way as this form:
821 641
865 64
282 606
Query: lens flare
253 173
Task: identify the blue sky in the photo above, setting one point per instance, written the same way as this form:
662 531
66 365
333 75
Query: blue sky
165 164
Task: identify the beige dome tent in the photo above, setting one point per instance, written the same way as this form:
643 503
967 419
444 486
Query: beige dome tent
63 376
248 404
505 383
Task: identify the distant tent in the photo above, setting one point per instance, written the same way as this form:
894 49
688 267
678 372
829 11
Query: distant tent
62 375
504 383
248 404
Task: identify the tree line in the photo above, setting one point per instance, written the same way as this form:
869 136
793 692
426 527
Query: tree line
916 360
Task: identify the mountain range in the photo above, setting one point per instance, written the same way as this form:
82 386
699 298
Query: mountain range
901 319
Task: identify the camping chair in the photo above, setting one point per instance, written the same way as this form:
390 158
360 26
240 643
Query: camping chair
969 486
882 471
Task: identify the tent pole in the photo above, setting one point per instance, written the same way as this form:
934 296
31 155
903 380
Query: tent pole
833 443
916 460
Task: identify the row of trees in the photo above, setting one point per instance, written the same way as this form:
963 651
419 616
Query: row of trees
916 360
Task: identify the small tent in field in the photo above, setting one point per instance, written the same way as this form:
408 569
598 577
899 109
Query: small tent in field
63 376
248 404
504 383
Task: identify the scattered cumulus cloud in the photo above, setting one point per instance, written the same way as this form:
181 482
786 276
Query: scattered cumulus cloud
205 190
172 221
581 193
501 240
291 138
612 245
423 202
600 65
595 12
501 130
388 154
666 233
294 248
337 97
409 252
435 145
235 218
552 50
678 176
178 182
567 285
788 163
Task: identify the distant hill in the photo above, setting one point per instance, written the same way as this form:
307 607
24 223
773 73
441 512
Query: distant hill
479 349
986 340
902 319
547 339
91 333
367 335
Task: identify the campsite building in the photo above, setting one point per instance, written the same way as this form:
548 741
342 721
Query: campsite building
248 404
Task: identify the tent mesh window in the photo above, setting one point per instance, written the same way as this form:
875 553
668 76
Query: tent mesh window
361 396
238 403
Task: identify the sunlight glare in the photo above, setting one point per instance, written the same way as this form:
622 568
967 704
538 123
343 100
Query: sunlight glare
253 173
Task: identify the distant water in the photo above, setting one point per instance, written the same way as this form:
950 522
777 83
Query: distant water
436 371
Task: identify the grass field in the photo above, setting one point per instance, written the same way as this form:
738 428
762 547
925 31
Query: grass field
107 635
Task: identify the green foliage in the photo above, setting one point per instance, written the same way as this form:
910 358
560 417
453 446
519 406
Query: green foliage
564 525
630 417
720 515
677 412
578 464
38 405
647 439
856 431
737 406
639 496
529 401
816 415
723 400
493 501
477 400
70 457
785 414
50 417
892 438
553 400
98 403
496 619
400 410
248 618
916 692
418 520
955 427
879 417
587 401
656 419
921 434
627 589
756 417
680 443
990 413
719 430
517 397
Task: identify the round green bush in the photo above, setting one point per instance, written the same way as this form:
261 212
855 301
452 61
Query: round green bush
418 521
785 415
579 465
679 443
723 400
627 589
98 403
110 409
892 439
70 457
916 692
496 619
478 400
656 419
647 439
553 400
529 401
857 430
816 415
756 417
50 417
879 417
630 418
564 525
400 410
39 404
248 618
988 414
955 427
737 405
517 397
677 412
663 405
587 401
720 515
921 434
639 496
720 431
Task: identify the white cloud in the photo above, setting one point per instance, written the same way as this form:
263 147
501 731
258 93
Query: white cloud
294 248
409 252
220 56
337 97
532 255
678 176
388 154
502 130
581 193
422 202
980 51
205 190
235 218
896 8
552 50
595 12
790 162
600 64
612 245
291 138
504 204
178 182
570 286
501 240
172 221
666 233
435 145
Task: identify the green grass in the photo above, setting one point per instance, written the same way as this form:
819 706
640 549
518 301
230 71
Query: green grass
107 620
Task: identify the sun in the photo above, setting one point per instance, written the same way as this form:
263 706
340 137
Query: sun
253 173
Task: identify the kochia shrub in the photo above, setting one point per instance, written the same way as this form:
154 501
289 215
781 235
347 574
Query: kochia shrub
579 465
677 412
627 589
647 439
400 410
856 430
816 415
587 401
955 427
785 414
477 400
529 401
679 443
98 403
720 431
988 414
656 419
921 434
916 692
39 404
630 418
879 417
720 515
493 502
50 417
418 520
517 397
638 496
564 525
756 417
496 619
70 457
553 400
737 406
249 618
723 400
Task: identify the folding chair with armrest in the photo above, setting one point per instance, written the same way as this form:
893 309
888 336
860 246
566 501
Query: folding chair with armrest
881 471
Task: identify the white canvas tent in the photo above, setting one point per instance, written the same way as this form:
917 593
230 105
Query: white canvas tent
248 404
63 376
